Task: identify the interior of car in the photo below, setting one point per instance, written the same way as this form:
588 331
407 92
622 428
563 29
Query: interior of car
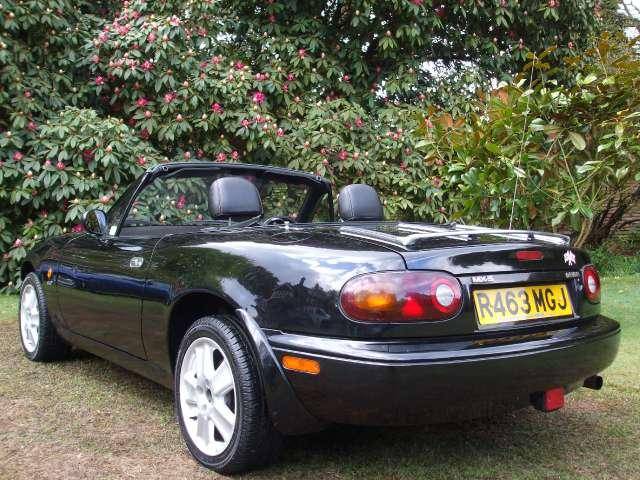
190 202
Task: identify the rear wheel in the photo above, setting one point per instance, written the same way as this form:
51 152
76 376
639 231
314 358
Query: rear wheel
219 399
40 341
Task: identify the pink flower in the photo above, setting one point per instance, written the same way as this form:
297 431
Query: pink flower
141 160
17 243
144 134
60 165
151 37
291 77
182 202
216 59
148 114
245 123
104 199
417 2
142 102
258 98
217 108
553 3
346 78
343 155
359 122
47 163
147 65
302 53
571 45
260 77
87 155
31 126
122 30
239 65
174 21
17 156
99 80
221 157
280 132
78 228
103 37
235 155
272 18
170 97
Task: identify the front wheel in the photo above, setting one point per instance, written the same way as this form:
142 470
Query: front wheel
219 399
40 341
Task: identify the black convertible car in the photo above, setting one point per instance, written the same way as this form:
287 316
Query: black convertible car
236 286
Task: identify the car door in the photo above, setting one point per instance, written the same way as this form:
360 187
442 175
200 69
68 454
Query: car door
101 283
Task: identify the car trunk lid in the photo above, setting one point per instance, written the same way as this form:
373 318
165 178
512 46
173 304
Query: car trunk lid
493 262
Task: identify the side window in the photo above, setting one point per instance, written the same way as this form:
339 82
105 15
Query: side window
173 201
323 212
116 212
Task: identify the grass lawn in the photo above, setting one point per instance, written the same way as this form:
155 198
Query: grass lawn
86 418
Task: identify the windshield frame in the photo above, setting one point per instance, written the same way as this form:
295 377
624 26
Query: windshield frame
317 186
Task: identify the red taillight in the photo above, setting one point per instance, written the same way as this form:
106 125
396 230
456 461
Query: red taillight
529 255
591 283
398 297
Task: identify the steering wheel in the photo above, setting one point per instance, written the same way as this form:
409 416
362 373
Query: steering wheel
276 220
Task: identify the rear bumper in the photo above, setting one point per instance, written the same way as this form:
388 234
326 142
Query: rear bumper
400 382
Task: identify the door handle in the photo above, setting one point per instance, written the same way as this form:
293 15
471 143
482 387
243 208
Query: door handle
136 262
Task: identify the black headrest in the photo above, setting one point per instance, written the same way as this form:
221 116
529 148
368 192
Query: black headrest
232 197
359 202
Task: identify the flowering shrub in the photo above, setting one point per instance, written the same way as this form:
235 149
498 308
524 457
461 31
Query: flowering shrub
329 87
77 161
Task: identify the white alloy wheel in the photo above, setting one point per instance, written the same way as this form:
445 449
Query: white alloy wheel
29 318
208 401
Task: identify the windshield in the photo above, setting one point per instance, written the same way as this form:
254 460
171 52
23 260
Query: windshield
182 199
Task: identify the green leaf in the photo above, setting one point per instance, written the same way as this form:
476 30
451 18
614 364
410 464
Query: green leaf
557 220
578 140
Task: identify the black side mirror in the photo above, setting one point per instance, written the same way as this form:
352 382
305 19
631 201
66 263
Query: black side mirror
95 221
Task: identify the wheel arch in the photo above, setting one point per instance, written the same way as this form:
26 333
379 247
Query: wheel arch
26 268
189 307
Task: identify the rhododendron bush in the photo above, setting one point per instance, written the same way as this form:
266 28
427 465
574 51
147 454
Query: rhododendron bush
91 93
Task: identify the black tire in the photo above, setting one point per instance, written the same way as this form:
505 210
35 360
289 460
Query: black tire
254 442
49 345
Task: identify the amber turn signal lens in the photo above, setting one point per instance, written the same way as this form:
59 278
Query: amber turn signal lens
49 273
303 365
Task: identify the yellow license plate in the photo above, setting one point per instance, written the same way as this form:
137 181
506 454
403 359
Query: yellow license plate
514 304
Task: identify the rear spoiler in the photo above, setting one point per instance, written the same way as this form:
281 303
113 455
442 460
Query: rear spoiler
418 232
